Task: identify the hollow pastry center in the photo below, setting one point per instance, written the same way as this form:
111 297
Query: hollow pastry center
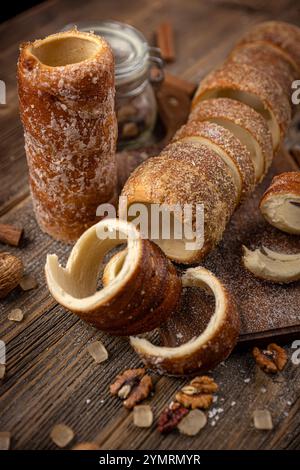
60 51
226 159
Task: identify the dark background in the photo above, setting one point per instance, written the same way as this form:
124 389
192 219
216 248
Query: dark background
14 8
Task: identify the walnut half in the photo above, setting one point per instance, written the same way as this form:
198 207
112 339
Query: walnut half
194 401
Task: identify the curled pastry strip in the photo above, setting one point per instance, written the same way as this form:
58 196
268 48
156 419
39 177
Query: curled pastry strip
66 94
280 205
144 291
207 349
272 265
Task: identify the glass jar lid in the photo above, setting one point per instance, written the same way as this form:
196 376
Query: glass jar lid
129 46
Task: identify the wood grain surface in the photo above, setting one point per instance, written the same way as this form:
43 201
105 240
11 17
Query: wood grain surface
50 377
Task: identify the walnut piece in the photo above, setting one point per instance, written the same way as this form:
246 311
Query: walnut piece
171 417
192 423
132 386
142 416
28 282
139 392
272 359
15 315
202 400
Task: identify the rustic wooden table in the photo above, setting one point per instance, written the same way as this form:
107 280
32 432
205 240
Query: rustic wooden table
50 377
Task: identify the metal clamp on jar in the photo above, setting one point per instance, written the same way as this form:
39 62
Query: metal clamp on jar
135 60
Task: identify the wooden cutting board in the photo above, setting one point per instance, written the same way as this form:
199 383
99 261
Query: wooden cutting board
268 311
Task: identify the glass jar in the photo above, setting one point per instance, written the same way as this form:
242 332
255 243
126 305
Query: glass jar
136 107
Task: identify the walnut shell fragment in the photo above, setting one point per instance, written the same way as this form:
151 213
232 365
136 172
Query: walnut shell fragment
210 347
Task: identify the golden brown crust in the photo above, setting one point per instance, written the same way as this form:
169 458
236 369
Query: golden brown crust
191 175
288 182
228 143
241 115
142 296
214 348
245 78
70 134
283 35
268 60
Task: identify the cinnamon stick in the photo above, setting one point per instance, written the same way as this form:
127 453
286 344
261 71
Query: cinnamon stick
10 234
165 41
